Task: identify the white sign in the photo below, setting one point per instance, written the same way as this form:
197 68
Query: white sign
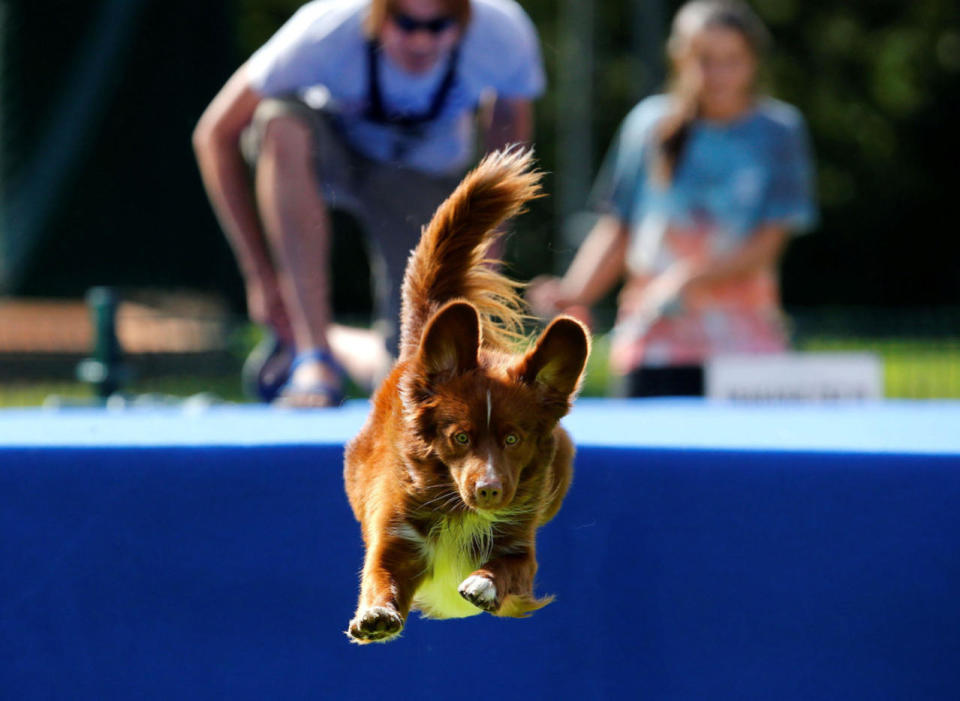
795 376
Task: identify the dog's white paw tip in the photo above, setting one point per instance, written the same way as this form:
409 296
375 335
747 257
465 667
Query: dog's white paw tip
375 624
479 591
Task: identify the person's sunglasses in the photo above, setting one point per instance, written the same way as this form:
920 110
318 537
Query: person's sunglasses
435 25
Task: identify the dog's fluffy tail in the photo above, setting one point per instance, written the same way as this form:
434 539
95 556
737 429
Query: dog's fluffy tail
450 262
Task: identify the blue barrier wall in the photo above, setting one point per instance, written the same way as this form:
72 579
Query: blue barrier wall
217 567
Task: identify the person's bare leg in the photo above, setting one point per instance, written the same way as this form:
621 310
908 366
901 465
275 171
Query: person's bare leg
297 226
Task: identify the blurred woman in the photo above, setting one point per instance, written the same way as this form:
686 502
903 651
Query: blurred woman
708 183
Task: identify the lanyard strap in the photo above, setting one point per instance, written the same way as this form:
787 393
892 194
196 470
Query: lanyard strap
377 112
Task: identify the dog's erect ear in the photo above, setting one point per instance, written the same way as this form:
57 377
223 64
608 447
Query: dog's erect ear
556 361
450 341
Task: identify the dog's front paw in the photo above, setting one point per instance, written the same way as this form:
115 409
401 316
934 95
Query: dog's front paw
376 624
480 591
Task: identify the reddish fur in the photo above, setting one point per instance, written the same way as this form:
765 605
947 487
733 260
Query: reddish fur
405 469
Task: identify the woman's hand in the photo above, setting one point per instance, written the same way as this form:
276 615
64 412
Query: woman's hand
546 296
598 265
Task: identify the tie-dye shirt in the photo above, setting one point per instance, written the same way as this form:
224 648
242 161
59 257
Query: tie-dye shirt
731 179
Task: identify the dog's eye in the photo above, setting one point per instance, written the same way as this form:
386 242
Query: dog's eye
511 439
461 438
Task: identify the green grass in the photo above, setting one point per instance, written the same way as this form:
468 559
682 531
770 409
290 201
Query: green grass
597 382
913 368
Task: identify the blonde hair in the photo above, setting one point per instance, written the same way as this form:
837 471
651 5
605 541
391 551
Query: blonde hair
691 19
380 9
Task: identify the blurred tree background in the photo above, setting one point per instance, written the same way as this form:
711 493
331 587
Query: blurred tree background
879 83
98 181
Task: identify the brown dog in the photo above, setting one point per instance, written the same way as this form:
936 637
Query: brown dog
462 458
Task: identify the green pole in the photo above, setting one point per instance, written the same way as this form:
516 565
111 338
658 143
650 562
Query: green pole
105 370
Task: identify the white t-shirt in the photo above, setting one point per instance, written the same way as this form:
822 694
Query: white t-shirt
322 49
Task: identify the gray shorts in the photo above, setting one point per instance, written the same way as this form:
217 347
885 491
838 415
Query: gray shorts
390 202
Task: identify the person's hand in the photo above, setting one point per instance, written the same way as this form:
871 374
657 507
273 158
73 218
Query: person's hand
545 295
265 306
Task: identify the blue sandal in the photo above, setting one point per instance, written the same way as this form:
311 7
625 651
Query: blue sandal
267 368
331 394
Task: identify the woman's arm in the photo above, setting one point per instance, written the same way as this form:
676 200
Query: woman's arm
598 265
760 251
